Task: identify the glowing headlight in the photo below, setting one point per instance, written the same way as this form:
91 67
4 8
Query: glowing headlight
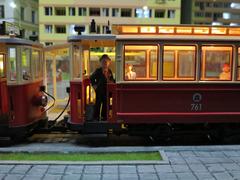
44 100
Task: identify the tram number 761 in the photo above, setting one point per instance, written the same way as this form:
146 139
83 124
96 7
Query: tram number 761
196 107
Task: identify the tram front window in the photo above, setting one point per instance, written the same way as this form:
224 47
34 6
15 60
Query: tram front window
179 63
26 67
141 62
2 66
13 67
216 63
36 63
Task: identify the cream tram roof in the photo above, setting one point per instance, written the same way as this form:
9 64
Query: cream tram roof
159 32
18 41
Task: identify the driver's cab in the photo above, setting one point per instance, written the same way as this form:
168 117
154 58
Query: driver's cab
86 51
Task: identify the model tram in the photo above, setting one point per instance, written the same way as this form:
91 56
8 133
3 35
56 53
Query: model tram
21 80
184 77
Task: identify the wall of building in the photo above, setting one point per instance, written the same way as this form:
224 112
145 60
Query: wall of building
171 15
13 15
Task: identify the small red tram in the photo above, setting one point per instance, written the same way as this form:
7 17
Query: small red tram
179 79
21 84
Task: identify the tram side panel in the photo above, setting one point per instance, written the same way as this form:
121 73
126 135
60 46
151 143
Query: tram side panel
179 103
4 103
25 105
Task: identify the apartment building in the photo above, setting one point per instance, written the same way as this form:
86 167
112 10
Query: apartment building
211 12
23 14
58 18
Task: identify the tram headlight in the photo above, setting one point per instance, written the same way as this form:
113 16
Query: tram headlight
44 100
40 100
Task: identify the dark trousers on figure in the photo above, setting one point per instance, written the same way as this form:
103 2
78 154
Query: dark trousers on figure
101 99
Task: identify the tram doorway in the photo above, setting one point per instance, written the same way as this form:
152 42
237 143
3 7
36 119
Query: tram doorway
57 75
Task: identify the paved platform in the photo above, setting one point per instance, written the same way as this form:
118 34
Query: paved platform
184 163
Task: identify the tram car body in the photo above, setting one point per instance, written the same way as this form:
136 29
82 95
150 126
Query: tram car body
185 77
22 101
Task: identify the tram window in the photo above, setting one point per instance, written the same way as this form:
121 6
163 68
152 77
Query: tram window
179 62
76 62
141 62
13 66
2 66
26 67
216 63
36 63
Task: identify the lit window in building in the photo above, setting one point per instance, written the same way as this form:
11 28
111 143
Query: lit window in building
60 11
226 15
72 11
115 12
33 17
171 13
48 11
126 12
216 23
105 11
82 11
159 13
22 13
48 29
2 14
143 12
234 24
94 12
235 5
71 30
60 29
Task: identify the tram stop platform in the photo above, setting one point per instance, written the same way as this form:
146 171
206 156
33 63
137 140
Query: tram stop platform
181 162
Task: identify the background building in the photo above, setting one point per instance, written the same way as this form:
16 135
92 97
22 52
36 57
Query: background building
212 12
58 18
23 13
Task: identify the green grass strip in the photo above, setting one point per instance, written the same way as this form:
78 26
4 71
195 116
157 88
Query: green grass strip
80 156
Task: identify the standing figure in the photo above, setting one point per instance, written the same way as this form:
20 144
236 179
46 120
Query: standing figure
99 80
130 73
226 73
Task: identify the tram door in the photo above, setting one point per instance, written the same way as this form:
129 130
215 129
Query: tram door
57 73
3 86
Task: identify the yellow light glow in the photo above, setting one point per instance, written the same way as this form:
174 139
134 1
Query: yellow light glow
148 29
166 30
201 30
129 29
179 47
1 64
219 30
234 31
184 30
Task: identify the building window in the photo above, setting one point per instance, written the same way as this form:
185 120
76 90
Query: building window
48 43
33 17
82 11
218 5
105 11
48 29
208 14
94 12
216 63
171 13
209 4
126 12
60 11
2 14
48 11
143 12
140 62
72 11
159 13
115 12
60 29
199 14
22 13
179 62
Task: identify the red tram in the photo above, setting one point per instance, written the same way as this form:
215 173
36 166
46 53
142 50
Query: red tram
21 78
185 77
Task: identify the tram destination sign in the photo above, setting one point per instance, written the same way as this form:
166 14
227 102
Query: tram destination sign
8 28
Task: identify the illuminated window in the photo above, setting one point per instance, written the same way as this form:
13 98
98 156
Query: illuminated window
76 62
26 65
36 60
179 62
141 62
2 66
216 63
13 66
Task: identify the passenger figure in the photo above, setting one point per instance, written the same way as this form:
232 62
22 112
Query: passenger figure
99 79
130 73
226 73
